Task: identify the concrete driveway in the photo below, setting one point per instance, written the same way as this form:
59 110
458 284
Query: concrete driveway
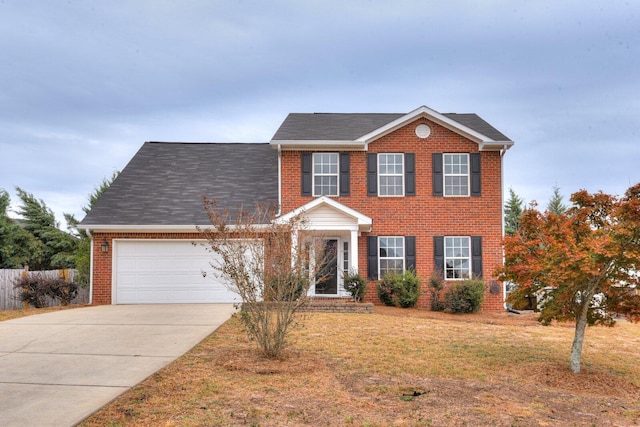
58 368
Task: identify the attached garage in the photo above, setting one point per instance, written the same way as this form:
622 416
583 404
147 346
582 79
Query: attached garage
153 271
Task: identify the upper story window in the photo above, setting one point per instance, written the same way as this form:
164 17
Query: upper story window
390 174
325 174
456 174
391 255
457 257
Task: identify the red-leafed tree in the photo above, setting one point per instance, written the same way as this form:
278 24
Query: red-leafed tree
586 262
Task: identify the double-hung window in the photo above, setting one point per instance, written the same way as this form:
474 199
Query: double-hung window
456 174
391 255
325 174
391 174
457 257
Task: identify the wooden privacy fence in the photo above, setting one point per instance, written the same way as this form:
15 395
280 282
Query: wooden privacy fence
10 297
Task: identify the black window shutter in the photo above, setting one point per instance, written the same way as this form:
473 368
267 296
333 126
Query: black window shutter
410 253
476 256
306 174
344 174
372 174
436 164
409 174
372 257
438 254
476 188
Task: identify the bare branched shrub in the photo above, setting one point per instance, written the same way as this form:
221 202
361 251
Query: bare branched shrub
38 290
270 263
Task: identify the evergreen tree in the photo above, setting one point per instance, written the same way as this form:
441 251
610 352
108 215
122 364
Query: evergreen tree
83 250
556 206
58 247
513 209
17 246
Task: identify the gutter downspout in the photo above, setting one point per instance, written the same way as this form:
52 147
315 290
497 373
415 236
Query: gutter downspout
279 180
503 151
86 230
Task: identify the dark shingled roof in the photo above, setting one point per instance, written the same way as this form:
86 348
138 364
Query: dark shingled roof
349 127
476 123
330 126
164 183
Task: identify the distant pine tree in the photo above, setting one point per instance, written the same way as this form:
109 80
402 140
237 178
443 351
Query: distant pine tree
512 212
556 205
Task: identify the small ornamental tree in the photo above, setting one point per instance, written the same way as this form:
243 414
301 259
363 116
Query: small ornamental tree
270 263
588 259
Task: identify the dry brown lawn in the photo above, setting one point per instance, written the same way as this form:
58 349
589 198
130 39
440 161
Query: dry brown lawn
396 368
14 314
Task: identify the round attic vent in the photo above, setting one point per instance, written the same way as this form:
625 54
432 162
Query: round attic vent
423 131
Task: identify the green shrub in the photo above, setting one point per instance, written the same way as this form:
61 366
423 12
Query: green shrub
465 297
356 285
36 290
400 290
436 283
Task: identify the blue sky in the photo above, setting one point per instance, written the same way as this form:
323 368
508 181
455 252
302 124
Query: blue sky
85 83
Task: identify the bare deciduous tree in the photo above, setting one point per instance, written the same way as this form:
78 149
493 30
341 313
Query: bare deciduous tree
270 263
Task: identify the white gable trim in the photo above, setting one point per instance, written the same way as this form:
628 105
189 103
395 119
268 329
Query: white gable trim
433 116
362 222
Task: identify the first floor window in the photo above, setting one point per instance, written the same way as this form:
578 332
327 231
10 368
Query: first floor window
457 257
456 174
391 255
345 257
325 174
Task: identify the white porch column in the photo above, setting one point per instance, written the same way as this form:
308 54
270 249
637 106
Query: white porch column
294 247
353 251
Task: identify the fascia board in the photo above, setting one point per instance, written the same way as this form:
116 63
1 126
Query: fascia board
318 145
155 228
495 146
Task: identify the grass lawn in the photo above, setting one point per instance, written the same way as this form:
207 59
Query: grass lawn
396 367
14 314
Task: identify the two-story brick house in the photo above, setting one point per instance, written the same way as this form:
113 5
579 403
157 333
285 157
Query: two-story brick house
389 192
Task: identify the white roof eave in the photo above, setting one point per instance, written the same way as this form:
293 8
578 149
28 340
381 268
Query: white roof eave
319 145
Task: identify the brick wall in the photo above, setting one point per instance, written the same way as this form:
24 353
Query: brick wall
423 215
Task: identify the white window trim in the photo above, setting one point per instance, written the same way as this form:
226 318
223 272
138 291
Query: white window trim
469 260
445 175
404 267
313 175
380 175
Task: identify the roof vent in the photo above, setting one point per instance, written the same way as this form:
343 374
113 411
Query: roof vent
423 131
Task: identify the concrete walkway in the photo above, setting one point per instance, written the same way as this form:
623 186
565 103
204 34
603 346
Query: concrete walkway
58 368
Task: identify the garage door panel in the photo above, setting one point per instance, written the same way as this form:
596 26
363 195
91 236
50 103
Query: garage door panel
164 271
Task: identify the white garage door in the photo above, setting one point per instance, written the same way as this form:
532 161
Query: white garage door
165 272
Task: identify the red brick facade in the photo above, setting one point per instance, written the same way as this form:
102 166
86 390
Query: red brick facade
423 215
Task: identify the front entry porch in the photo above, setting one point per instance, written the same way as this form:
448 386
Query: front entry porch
339 227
